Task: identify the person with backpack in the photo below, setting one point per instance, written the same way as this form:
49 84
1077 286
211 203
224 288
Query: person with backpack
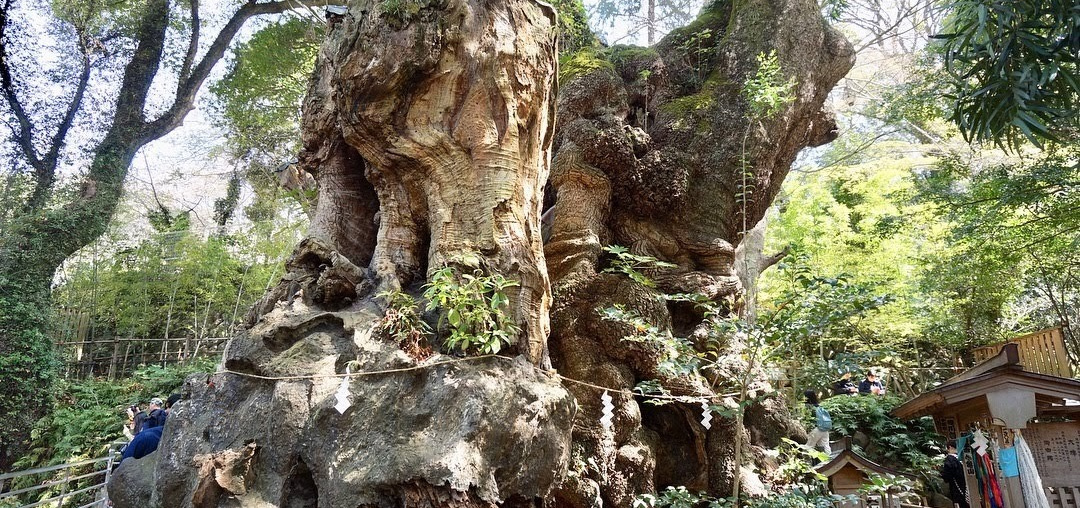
819 437
155 415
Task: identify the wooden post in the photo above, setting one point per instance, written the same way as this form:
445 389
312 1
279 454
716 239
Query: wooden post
164 350
187 351
129 362
115 354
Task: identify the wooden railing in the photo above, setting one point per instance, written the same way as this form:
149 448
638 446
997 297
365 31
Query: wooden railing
1063 497
118 356
1042 352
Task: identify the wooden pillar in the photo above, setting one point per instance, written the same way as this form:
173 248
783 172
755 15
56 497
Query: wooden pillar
115 354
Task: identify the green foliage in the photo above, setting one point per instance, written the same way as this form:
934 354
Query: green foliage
175 281
792 496
858 224
403 324
97 18
766 95
27 361
475 306
919 99
886 484
906 446
811 307
834 9
697 50
574 31
677 355
797 464
1015 68
400 9
632 265
1013 265
766 92
258 103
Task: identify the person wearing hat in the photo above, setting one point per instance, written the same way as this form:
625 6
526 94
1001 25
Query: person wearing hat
155 415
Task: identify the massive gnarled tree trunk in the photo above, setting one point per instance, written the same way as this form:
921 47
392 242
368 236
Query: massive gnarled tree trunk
430 127
659 152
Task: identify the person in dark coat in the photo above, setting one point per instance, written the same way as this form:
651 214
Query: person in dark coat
144 444
845 386
871 385
953 474
155 414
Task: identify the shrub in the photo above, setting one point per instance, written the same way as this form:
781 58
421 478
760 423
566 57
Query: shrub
907 446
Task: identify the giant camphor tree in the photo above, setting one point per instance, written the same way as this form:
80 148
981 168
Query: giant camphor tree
439 141
127 74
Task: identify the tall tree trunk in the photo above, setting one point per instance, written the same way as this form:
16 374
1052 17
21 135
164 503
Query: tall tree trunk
651 17
675 192
429 131
458 144
450 104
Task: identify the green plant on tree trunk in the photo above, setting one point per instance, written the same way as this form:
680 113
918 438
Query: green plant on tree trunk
475 307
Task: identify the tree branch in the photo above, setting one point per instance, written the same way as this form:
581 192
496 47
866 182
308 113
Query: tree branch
60 136
24 134
189 86
773 259
141 69
193 45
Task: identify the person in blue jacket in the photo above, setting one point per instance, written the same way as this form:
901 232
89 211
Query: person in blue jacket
144 443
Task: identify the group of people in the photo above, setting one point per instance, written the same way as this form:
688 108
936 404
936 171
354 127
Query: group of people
871 385
819 436
145 427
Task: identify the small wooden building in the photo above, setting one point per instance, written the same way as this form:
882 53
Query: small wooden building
1026 385
847 471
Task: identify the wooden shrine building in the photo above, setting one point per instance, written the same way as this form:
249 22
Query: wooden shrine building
1026 383
847 471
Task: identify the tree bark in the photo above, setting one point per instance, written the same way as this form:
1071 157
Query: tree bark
650 154
456 139
450 104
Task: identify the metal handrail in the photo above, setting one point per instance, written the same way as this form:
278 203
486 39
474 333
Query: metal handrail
109 460
47 469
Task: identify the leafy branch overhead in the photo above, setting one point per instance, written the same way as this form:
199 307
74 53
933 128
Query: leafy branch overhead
1015 69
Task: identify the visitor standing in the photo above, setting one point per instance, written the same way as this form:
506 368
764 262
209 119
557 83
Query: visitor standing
819 437
953 474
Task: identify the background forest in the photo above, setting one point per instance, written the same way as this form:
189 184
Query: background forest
945 216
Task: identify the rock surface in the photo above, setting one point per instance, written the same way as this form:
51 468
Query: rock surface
487 429
132 483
